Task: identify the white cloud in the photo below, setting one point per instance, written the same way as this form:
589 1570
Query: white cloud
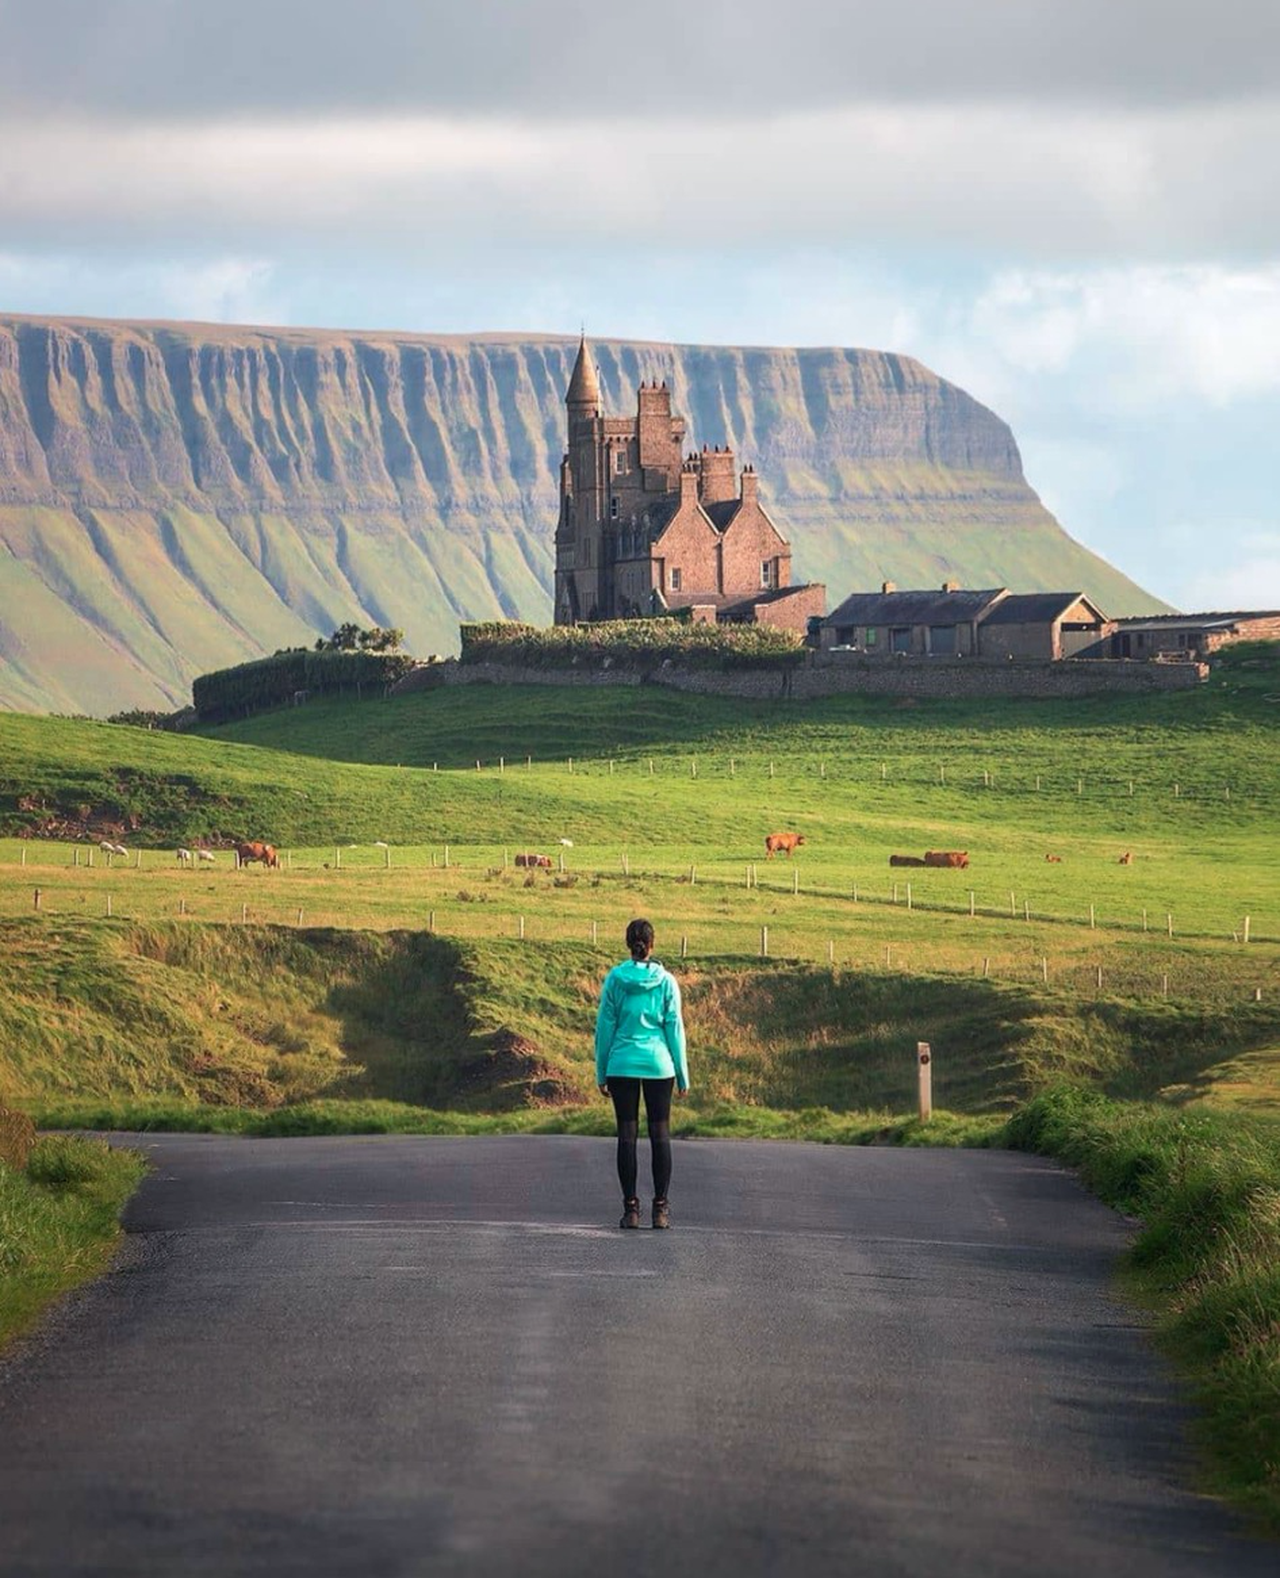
1012 179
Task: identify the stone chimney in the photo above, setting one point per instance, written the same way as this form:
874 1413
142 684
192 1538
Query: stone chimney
749 485
888 586
717 474
689 479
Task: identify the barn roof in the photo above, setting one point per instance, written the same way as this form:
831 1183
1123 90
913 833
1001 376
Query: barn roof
1213 621
1035 608
914 608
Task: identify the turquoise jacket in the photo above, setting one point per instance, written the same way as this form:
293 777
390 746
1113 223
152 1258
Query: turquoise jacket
639 1031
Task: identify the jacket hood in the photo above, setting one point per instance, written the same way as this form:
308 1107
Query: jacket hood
635 975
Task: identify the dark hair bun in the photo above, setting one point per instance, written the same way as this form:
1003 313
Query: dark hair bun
640 938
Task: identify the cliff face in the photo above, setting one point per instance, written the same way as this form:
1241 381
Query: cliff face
174 498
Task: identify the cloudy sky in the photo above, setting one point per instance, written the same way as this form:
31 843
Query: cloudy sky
1070 207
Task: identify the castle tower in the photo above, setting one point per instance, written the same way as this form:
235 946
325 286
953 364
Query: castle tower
583 396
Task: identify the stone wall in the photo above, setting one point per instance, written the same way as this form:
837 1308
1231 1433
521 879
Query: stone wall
839 674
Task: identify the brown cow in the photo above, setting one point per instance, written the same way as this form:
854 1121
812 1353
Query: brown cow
542 862
246 854
905 860
1126 859
781 844
953 859
1054 860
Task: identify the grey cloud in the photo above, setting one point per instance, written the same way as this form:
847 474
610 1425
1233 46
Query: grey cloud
568 58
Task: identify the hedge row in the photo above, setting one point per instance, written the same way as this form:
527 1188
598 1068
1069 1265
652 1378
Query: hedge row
632 641
275 681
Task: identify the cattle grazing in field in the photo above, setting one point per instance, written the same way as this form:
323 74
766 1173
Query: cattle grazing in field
108 848
1054 860
205 854
246 854
540 862
567 842
782 844
905 860
184 857
1126 859
951 859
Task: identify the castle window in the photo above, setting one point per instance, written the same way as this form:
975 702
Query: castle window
613 508
620 461
675 580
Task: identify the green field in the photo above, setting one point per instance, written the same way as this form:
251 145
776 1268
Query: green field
664 801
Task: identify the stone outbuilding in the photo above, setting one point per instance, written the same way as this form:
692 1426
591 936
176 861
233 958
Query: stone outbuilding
890 623
1042 625
994 624
1188 635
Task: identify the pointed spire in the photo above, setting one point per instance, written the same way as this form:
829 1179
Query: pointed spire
584 388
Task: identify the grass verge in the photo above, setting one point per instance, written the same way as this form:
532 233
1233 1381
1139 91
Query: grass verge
1206 1186
59 1222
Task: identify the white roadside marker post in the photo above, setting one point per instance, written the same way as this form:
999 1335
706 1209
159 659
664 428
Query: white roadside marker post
924 1071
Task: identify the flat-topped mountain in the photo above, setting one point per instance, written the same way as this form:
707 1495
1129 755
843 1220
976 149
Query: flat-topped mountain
178 497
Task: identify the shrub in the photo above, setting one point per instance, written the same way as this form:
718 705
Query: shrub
275 681
633 642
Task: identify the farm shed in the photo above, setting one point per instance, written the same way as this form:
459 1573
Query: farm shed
1189 635
1044 626
889 623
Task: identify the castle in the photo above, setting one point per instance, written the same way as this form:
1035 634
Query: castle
644 529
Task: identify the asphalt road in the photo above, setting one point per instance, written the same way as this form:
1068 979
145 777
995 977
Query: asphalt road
393 1356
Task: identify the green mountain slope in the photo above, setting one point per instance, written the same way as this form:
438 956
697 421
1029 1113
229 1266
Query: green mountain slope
178 497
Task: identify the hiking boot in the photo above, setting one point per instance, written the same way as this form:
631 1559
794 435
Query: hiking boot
661 1214
630 1214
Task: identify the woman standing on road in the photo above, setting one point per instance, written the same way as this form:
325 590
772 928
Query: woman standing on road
640 1046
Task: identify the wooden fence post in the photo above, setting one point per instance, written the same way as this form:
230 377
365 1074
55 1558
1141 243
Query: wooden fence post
764 942
924 1077
1245 935
971 908
36 898
684 946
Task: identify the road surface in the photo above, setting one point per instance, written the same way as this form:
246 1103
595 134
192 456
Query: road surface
394 1356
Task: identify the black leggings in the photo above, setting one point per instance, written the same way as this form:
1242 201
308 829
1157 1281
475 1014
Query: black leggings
657 1110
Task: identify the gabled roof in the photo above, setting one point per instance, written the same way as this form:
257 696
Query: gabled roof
1035 608
584 386
723 512
914 608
